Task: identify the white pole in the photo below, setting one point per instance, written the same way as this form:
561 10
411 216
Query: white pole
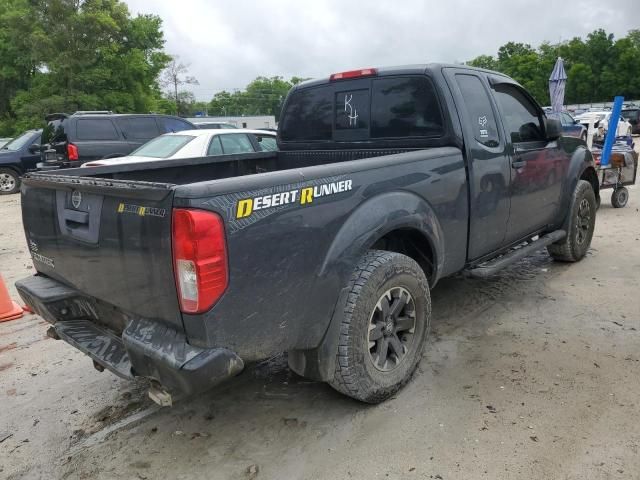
590 133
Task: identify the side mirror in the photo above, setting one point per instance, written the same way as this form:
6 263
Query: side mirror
553 128
34 148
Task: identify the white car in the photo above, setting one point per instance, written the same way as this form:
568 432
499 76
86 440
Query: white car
195 144
601 123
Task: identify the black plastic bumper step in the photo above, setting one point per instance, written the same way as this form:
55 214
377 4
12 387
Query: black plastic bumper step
101 345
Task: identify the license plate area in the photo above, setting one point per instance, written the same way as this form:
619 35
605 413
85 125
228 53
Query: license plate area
50 156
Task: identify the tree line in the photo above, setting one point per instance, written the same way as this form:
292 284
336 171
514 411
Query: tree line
598 67
69 55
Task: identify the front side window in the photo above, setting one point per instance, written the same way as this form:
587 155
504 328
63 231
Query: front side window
236 143
520 116
162 147
479 110
567 120
405 107
96 129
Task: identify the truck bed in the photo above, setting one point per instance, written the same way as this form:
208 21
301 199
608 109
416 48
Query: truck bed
192 170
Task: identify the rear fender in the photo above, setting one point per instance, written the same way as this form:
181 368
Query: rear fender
371 221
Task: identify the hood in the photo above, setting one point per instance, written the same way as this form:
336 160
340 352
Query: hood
9 155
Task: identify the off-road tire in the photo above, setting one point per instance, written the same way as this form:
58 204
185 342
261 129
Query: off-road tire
620 197
9 175
570 249
356 375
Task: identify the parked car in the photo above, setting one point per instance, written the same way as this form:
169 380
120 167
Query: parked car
4 141
197 143
632 114
385 181
601 123
570 126
71 140
17 157
214 125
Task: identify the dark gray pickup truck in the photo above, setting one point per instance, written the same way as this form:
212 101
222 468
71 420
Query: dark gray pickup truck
386 181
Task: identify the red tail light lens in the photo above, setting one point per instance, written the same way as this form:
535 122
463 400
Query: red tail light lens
364 72
72 152
199 259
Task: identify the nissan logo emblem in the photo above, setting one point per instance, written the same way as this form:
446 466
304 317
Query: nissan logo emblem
76 199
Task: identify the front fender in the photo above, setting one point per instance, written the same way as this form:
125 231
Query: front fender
581 160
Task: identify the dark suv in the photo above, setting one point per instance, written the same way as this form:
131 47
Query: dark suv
71 140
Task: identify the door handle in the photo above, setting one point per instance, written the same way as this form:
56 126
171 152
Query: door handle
518 163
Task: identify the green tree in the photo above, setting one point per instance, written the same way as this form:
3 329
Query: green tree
263 96
484 61
78 55
598 67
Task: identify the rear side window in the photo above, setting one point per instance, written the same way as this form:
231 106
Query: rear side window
215 148
162 147
567 120
479 110
309 115
236 143
405 107
520 116
267 143
169 125
140 128
96 129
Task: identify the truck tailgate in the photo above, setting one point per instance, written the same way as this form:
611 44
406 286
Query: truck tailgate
109 239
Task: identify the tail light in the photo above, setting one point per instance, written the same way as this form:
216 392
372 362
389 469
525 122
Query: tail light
72 152
199 259
364 72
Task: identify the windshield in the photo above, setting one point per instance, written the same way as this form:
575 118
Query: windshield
163 146
19 142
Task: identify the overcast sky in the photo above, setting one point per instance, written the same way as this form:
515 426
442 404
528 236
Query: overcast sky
230 43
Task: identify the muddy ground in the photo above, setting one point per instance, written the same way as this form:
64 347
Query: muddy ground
530 375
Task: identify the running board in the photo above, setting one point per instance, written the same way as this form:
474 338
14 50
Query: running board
493 266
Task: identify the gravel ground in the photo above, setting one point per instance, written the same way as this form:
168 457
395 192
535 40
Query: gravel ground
532 374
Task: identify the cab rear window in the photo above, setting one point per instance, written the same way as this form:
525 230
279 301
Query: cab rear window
379 108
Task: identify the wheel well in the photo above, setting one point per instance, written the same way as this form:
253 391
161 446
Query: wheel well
590 176
13 168
413 244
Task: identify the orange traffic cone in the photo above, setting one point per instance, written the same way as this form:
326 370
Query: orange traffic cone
9 310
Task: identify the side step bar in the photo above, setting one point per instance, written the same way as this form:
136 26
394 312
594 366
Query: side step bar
493 266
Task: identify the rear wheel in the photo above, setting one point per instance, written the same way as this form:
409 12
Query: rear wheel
384 327
9 181
582 222
619 197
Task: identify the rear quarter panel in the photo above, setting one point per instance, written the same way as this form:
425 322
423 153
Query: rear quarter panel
288 263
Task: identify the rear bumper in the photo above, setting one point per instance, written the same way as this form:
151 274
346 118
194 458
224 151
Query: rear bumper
145 348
